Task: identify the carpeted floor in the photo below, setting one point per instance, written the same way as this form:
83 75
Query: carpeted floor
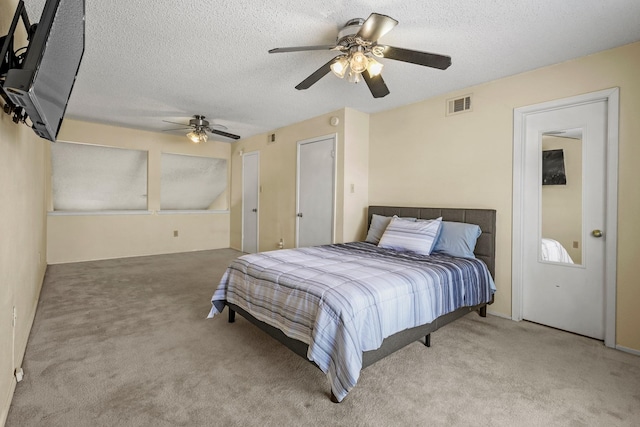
126 343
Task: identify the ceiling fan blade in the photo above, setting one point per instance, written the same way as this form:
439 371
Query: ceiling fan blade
225 134
376 26
175 123
315 76
376 84
427 59
183 128
302 48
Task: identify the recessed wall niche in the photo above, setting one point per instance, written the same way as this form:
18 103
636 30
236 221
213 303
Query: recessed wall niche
191 182
87 177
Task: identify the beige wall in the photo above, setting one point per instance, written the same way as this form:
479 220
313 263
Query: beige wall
277 210
420 157
74 238
356 175
22 243
22 235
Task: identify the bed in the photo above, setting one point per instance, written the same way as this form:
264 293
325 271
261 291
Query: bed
346 306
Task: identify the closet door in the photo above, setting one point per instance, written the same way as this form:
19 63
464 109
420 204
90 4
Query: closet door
250 201
579 296
566 207
315 191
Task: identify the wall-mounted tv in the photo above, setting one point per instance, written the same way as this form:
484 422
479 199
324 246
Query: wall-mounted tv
553 167
41 85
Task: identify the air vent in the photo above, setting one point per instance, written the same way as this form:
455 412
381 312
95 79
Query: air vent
458 105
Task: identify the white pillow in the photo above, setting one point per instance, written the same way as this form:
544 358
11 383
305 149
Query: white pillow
379 223
414 236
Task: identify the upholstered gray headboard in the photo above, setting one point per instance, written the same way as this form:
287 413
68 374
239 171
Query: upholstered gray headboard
485 218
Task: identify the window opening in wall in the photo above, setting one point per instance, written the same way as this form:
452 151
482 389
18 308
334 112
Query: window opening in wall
193 183
88 177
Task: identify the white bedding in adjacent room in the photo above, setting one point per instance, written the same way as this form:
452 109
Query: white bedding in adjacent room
553 251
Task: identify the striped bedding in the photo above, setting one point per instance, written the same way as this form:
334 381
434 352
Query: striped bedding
344 299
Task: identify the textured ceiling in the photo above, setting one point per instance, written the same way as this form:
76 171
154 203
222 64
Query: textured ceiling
149 61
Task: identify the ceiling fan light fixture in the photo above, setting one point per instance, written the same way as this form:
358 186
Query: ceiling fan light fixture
374 67
194 137
378 51
358 62
354 77
340 65
197 136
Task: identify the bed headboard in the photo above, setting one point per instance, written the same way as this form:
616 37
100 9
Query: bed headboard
485 218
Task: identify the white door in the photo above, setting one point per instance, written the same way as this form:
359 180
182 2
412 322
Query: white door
250 201
316 191
564 203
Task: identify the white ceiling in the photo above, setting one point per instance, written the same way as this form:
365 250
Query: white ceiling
149 61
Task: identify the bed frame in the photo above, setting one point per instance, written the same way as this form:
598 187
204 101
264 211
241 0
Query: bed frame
485 250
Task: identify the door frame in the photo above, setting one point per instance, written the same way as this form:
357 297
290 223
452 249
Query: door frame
333 136
257 154
612 97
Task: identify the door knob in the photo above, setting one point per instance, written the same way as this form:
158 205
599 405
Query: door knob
596 233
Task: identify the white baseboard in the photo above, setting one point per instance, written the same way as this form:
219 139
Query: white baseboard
504 316
4 410
628 350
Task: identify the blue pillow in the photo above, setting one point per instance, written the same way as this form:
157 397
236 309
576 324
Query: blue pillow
457 239
414 236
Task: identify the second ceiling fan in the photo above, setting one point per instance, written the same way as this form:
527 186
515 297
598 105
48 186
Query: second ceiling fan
199 127
358 45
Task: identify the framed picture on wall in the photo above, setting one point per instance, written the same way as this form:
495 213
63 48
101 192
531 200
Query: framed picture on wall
553 167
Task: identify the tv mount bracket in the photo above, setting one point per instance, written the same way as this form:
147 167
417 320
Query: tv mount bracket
10 60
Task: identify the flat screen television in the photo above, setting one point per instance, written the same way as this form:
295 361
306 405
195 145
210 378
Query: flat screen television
42 84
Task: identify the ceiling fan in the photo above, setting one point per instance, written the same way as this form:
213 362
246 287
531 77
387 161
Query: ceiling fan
199 128
358 44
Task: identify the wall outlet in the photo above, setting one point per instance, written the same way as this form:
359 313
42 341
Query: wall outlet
19 374
175 233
